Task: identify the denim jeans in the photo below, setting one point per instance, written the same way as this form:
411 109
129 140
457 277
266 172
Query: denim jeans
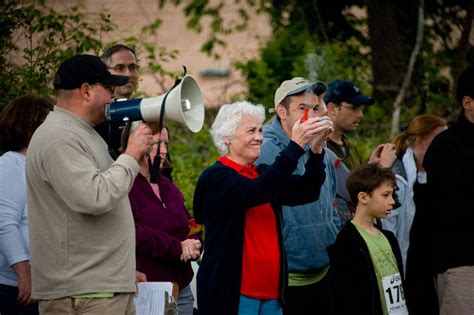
251 306
185 301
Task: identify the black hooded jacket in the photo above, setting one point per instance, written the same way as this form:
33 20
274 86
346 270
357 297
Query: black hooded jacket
355 282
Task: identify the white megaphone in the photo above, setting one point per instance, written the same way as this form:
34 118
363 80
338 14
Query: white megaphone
183 104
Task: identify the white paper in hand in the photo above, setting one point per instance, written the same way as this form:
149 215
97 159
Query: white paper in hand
151 297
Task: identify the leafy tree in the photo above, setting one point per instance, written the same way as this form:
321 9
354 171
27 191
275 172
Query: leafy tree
191 154
386 36
35 38
324 40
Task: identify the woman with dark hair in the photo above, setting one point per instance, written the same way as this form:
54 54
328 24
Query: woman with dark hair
167 239
18 121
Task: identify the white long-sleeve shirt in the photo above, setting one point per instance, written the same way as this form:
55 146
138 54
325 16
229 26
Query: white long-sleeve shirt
400 220
14 245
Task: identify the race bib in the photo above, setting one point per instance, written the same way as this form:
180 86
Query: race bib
394 296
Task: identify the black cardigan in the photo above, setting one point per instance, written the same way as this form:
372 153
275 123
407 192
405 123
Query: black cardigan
441 235
449 204
355 286
221 198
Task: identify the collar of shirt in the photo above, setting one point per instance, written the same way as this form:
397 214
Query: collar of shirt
247 171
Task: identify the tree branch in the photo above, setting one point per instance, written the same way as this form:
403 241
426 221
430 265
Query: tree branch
408 75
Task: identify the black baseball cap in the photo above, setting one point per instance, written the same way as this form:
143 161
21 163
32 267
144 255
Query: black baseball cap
346 91
81 69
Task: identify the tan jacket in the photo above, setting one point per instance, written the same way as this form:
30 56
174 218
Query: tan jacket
81 227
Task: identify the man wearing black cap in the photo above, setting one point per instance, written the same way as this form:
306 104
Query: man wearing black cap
81 225
345 105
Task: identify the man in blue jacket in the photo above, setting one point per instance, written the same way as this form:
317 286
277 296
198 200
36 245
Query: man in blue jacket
307 229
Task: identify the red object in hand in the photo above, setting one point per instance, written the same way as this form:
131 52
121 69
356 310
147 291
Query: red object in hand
305 115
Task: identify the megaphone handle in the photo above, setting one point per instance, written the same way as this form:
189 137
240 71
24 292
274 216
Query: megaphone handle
124 136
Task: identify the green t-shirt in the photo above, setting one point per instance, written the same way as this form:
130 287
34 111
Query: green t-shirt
300 279
383 259
99 295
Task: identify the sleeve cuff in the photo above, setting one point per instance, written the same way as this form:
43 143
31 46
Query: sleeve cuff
317 156
128 161
293 151
421 177
15 259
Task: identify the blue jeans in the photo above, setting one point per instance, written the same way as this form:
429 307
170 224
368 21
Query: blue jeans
250 306
185 301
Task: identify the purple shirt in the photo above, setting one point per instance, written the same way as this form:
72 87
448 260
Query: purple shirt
160 226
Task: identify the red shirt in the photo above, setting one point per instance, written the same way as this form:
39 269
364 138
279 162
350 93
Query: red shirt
261 257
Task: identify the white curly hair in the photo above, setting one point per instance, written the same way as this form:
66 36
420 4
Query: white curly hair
227 119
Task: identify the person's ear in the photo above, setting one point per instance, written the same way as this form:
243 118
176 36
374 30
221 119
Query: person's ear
281 112
419 141
468 103
227 141
363 197
331 108
86 91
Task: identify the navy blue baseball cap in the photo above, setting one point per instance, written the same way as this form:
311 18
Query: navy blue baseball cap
346 91
81 69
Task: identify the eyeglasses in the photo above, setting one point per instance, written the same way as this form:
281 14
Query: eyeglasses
133 67
354 108
109 88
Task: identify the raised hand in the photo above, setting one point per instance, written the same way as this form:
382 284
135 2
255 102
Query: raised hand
315 131
384 154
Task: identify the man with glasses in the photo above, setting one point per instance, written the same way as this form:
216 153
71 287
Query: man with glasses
345 104
80 222
122 60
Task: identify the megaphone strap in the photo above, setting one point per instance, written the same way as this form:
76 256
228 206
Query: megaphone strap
155 167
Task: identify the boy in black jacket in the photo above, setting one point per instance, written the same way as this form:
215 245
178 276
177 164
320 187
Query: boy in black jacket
365 260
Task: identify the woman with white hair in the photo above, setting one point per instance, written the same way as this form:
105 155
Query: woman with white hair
243 269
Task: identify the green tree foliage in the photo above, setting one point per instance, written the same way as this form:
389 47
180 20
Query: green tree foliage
35 38
325 40
151 57
446 43
277 62
191 153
